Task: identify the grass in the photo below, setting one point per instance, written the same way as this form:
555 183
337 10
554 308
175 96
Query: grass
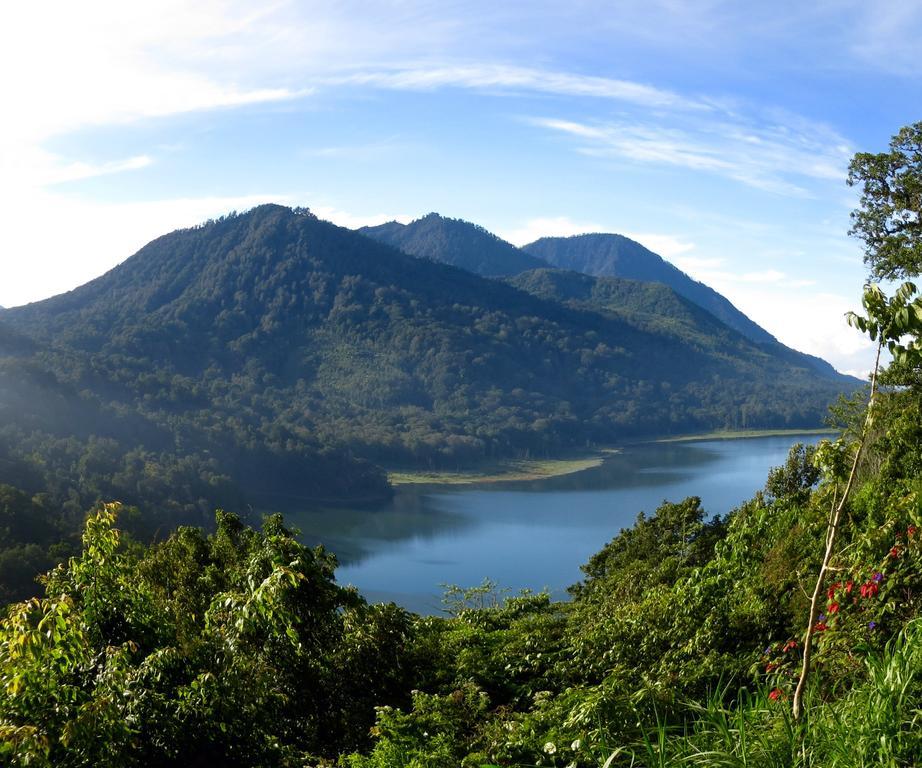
501 472
743 433
875 723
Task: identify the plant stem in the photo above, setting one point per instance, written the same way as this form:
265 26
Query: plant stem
831 530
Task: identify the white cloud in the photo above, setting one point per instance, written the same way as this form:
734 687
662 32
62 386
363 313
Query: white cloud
353 220
808 320
552 226
666 245
87 239
770 157
503 76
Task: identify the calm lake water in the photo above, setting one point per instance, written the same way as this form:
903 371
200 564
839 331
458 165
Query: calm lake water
532 534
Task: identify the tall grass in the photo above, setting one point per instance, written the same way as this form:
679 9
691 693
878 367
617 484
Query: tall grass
878 723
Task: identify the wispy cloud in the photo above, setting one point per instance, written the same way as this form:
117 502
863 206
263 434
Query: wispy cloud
76 171
772 157
887 35
486 76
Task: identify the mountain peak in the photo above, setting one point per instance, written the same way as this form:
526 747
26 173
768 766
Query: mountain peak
456 242
611 255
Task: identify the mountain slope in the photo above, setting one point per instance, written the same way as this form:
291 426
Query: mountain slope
604 255
651 305
455 242
270 348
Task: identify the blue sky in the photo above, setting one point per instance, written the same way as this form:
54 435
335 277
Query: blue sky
716 133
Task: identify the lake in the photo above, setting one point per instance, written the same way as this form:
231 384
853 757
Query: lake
530 534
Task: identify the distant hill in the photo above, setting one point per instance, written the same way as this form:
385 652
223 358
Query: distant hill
455 242
605 255
270 355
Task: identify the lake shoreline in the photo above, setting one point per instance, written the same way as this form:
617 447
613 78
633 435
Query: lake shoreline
524 470
744 434
512 470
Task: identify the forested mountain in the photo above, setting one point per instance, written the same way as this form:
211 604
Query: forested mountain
455 242
607 255
473 248
657 307
272 354
653 304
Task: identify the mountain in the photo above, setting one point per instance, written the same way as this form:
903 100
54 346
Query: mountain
606 255
473 248
269 356
654 306
455 242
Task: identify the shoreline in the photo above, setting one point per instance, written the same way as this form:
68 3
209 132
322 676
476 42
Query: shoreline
512 470
523 470
745 433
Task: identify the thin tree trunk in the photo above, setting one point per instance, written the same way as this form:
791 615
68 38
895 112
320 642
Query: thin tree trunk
831 531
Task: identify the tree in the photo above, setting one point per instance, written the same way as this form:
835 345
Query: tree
889 219
234 649
888 222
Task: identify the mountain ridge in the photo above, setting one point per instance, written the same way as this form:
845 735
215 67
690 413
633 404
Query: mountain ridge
454 241
271 351
472 247
612 255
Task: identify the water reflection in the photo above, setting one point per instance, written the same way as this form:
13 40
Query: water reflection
529 534
355 534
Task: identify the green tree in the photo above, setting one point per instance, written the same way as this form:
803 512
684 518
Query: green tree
889 219
233 649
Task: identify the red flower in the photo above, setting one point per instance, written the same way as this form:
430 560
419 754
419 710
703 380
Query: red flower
911 530
832 590
775 695
770 667
870 589
789 645
848 586
894 551
820 626
833 608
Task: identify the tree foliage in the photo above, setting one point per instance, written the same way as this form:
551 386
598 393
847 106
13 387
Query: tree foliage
889 218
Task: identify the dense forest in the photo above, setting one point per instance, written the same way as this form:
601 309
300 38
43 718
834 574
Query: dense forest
272 354
455 242
784 634
607 255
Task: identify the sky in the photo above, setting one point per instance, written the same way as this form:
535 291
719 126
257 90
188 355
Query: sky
718 134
